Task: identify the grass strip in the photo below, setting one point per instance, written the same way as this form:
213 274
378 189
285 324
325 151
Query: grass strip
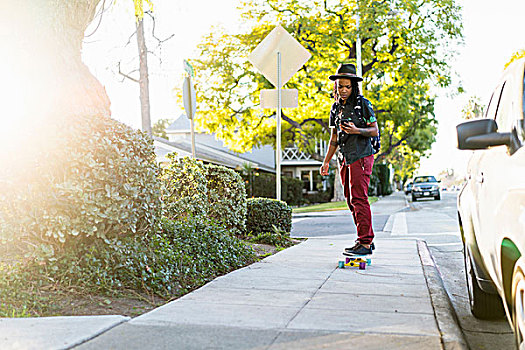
328 206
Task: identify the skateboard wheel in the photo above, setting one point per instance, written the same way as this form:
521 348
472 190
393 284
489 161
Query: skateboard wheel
362 266
341 264
368 261
347 260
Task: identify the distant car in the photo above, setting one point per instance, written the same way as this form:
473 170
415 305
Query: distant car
408 188
491 205
425 187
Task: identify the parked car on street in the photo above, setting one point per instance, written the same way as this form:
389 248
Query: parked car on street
425 186
491 204
408 188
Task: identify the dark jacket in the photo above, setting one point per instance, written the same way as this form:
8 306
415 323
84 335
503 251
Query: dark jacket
353 147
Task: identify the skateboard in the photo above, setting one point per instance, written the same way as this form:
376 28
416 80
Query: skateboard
355 260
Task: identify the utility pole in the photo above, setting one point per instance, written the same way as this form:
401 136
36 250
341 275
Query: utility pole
359 65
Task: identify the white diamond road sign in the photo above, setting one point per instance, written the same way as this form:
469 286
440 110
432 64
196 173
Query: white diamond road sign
293 55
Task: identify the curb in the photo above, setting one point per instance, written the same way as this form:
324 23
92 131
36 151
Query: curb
87 338
452 337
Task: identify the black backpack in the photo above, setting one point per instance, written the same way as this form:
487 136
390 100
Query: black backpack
374 140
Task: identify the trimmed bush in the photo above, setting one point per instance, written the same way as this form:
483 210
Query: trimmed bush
89 177
265 213
226 197
185 188
192 189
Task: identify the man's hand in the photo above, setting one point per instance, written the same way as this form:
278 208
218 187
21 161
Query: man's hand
324 169
369 131
350 128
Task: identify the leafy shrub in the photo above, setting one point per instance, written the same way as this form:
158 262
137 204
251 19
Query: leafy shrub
192 189
211 248
185 255
263 185
185 188
226 197
181 257
264 214
93 177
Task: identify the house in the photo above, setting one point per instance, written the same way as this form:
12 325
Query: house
208 148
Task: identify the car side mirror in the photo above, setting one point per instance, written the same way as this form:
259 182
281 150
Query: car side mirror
481 134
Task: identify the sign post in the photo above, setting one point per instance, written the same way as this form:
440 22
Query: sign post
278 57
190 102
278 141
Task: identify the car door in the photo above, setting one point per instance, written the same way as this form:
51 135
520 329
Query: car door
501 176
476 181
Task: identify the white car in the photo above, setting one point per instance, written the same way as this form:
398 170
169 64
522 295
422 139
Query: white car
491 205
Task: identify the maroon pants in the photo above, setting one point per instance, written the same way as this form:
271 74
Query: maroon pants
355 179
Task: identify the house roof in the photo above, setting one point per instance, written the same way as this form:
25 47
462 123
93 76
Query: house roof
204 153
181 124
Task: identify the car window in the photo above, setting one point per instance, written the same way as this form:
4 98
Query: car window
520 124
421 179
523 104
493 104
504 112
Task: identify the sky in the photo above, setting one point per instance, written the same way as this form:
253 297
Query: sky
493 31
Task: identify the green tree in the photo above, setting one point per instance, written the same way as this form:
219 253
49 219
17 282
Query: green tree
473 109
404 53
159 127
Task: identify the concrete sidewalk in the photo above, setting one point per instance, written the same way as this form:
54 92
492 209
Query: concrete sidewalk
296 299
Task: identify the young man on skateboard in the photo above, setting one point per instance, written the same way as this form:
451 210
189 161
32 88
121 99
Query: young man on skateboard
353 123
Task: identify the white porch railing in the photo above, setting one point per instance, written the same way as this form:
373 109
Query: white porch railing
293 153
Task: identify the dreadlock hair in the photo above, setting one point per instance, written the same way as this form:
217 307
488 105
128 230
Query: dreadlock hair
353 95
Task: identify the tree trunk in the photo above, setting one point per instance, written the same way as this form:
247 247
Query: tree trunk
44 77
144 78
43 42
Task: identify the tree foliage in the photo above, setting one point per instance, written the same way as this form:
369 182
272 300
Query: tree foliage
404 53
473 109
515 56
91 177
159 127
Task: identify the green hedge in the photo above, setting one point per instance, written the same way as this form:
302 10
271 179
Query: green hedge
93 177
226 197
185 188
192 189
265 213
263 185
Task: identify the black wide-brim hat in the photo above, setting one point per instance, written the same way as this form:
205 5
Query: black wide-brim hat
345 71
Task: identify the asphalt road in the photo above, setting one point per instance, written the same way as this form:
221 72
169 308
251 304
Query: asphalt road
436 223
